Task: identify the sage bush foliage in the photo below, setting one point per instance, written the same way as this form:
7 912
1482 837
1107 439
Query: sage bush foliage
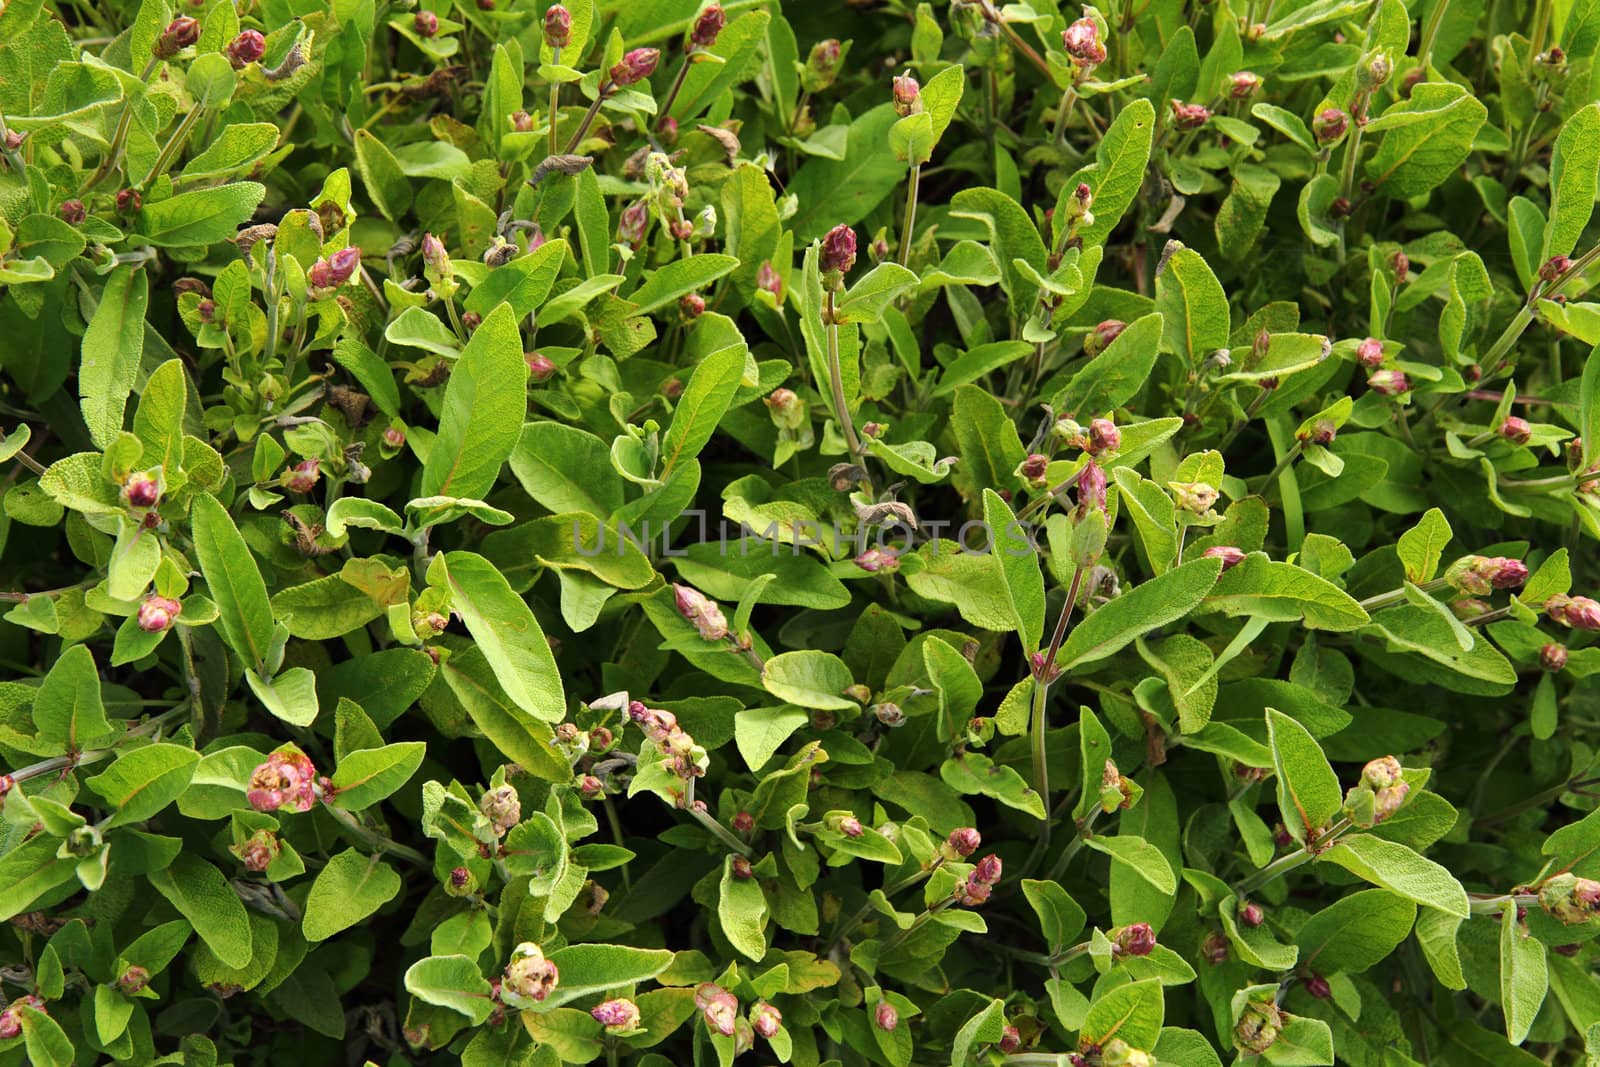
896 533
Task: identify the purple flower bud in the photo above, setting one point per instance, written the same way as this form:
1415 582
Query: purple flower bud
129 200
619 1014
246 48
286 780
426 23
434 256
302 477
1318 987
557 26
1102 336
133 979
1190 116
158 613
540 367
1230 556
460 879
1553 657
73 211
1389 383
702 611
838 250
1103 436
179 34
744 822
1370 352
1516 430
141 491
1244 84
1010 1039
1554 268
636 66
1082 42
1252 915
707 26
343 264
1330 125
907 95
1091 487
692 306
876 559
718 1007
1034 467
768 278
1136 939
885 1017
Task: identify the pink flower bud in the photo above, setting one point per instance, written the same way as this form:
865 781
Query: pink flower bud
246 48
875 559
692 306
907 95
1244 84
434 256
1215 949
1010 1039
1370 352
822 65
885 1017
634 224
1230 556
742 869
1082 42
73 211
286 780
1252 915
963 842
158 613
344 263
1102 336
1516 430
838 250
1103 436
702 611
1318 986
502 807
988 870
129 200
718 1007
1190 116
768 278
1577 612
394 437
133 979
850 826
521 122
636 66
619 1014
557 26
707 26
302 477
529 977
1553 657
1091 488
1034 467
540 367
1330 125
258 850
1389 383
1554 267
765 1019
1136 939
426 23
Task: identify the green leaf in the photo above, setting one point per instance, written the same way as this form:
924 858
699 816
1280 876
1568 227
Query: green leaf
1158 602
833 192
452 982
680 278
1117 374
1060 918
203 896
760 732
742 911
291 695
367 776
597 968
1436 936
1017 566
1153 515
1425 138
326 608
972 773
1308 790
350 888
145 780
506 633
1282 592
417 327
201 217
566 469
985 1028
1240 219
810 679
1421 547
1193 307
112 347
1133 1012
866 300
484 405
1399 870
158 420
1118 171
1574 181
703 403
237 148
1523 978
1355 932
1589 408
67 710
386 183
234 580
1140 857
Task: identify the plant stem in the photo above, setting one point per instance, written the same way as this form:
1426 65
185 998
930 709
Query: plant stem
1352 153
889 890
82 759
1284 864
117 139
1283 464
380 841
836 377
1493 905
174 144
911 213
1431 31
1397 596
588 118
270 290
555 102
663 116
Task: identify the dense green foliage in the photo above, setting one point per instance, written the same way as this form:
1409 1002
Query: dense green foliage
890 532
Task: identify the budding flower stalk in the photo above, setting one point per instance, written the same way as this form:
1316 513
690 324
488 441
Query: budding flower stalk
702 611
